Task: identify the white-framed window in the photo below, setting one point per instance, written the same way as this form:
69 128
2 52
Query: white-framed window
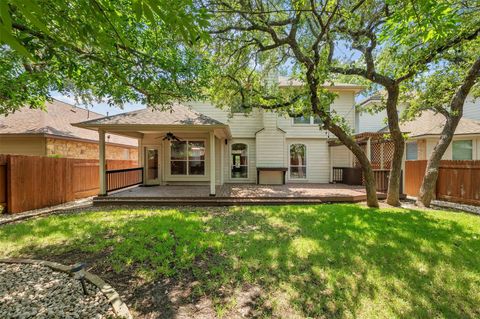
239 160
187 157
412 151
462 150
298 161
301 120
307 120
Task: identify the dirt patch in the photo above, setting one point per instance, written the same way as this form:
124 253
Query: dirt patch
161 298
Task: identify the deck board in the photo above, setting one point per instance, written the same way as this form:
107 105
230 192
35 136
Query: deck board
236 194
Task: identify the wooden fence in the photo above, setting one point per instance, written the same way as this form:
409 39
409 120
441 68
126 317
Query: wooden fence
31 182
458 181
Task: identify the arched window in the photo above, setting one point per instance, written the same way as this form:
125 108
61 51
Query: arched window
298 161
239 156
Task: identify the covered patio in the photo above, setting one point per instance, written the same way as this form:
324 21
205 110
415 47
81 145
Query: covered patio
236 194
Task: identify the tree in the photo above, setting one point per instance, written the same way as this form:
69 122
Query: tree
395 42
251 40
128 50
444 90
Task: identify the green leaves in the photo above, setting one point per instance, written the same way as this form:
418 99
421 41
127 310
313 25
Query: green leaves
423 20
116 51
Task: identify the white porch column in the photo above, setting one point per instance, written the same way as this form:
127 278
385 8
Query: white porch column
369 149
222 160
101 163
212 164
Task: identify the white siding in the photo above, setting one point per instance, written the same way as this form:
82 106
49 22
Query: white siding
318 164
341 156
371 122
270 148
471 109
343 105
241 125
367 122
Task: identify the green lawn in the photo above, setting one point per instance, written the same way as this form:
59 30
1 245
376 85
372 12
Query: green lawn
326 261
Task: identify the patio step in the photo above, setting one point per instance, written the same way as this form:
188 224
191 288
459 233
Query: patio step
223 201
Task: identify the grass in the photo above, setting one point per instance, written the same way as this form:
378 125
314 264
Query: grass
332 261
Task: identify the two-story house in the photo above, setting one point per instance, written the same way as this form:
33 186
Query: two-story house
197 143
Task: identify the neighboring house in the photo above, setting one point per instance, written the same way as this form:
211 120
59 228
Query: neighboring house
424 132
374 122
215 147
50 133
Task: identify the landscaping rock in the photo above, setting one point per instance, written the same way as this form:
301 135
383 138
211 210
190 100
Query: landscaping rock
34 291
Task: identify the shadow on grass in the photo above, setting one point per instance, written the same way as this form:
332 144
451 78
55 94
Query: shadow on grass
329 260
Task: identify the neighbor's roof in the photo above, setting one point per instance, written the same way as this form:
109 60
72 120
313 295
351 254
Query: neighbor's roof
284 81
430 123
177 115
376 97
55 121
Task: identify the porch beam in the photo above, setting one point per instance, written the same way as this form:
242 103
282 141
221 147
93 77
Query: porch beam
102 163
212 163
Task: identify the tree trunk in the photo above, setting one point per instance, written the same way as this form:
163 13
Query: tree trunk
393 194
349 142
429 182
427 189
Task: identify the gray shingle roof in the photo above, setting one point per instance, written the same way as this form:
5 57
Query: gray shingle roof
56 120
177 115
430 123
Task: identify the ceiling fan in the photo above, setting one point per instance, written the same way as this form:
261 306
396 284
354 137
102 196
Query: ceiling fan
170 137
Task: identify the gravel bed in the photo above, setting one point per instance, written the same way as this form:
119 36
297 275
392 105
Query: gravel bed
34 291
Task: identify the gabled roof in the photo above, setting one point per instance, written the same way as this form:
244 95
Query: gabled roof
177 115
376 97
284 81
55 121
430 123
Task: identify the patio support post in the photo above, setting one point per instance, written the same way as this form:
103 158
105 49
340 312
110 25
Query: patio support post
101 163
369 149
212 164
222 159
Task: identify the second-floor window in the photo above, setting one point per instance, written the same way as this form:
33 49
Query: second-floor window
307 120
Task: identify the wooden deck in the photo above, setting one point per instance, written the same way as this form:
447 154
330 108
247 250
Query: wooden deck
236 194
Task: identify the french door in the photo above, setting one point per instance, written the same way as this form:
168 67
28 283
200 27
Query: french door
152 165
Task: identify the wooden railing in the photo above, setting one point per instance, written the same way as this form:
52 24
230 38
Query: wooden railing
354 176
338 174
122 178
347 175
